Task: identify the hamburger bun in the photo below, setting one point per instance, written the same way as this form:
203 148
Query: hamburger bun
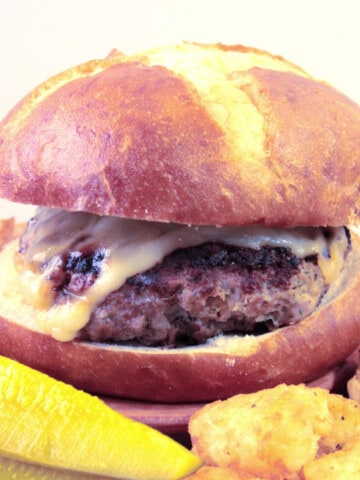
194 135
162 132
224 366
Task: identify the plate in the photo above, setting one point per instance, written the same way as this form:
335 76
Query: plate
171 419
168 418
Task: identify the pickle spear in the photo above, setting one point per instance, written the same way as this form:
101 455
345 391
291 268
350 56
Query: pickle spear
53 424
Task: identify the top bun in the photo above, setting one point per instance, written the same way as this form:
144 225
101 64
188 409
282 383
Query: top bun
195 134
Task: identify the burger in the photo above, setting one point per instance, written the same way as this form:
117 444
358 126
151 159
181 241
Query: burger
193 231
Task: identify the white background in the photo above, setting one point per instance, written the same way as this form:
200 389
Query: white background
39 38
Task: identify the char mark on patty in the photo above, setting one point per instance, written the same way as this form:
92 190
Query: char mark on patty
74 272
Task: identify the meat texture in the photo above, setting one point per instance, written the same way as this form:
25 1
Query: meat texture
203 291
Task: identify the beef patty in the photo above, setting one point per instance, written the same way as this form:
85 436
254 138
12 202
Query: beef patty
196 293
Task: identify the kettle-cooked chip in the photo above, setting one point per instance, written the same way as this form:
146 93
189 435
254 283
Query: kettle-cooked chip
281 433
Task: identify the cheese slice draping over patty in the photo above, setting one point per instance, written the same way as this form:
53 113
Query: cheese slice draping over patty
131 246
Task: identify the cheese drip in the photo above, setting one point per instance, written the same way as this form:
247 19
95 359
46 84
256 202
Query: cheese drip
133 246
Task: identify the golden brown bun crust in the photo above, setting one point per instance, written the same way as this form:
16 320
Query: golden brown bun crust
156 135
294 354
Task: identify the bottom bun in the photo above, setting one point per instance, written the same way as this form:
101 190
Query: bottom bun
223 367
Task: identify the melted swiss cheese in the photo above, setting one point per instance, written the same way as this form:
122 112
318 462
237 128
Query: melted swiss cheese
133 246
